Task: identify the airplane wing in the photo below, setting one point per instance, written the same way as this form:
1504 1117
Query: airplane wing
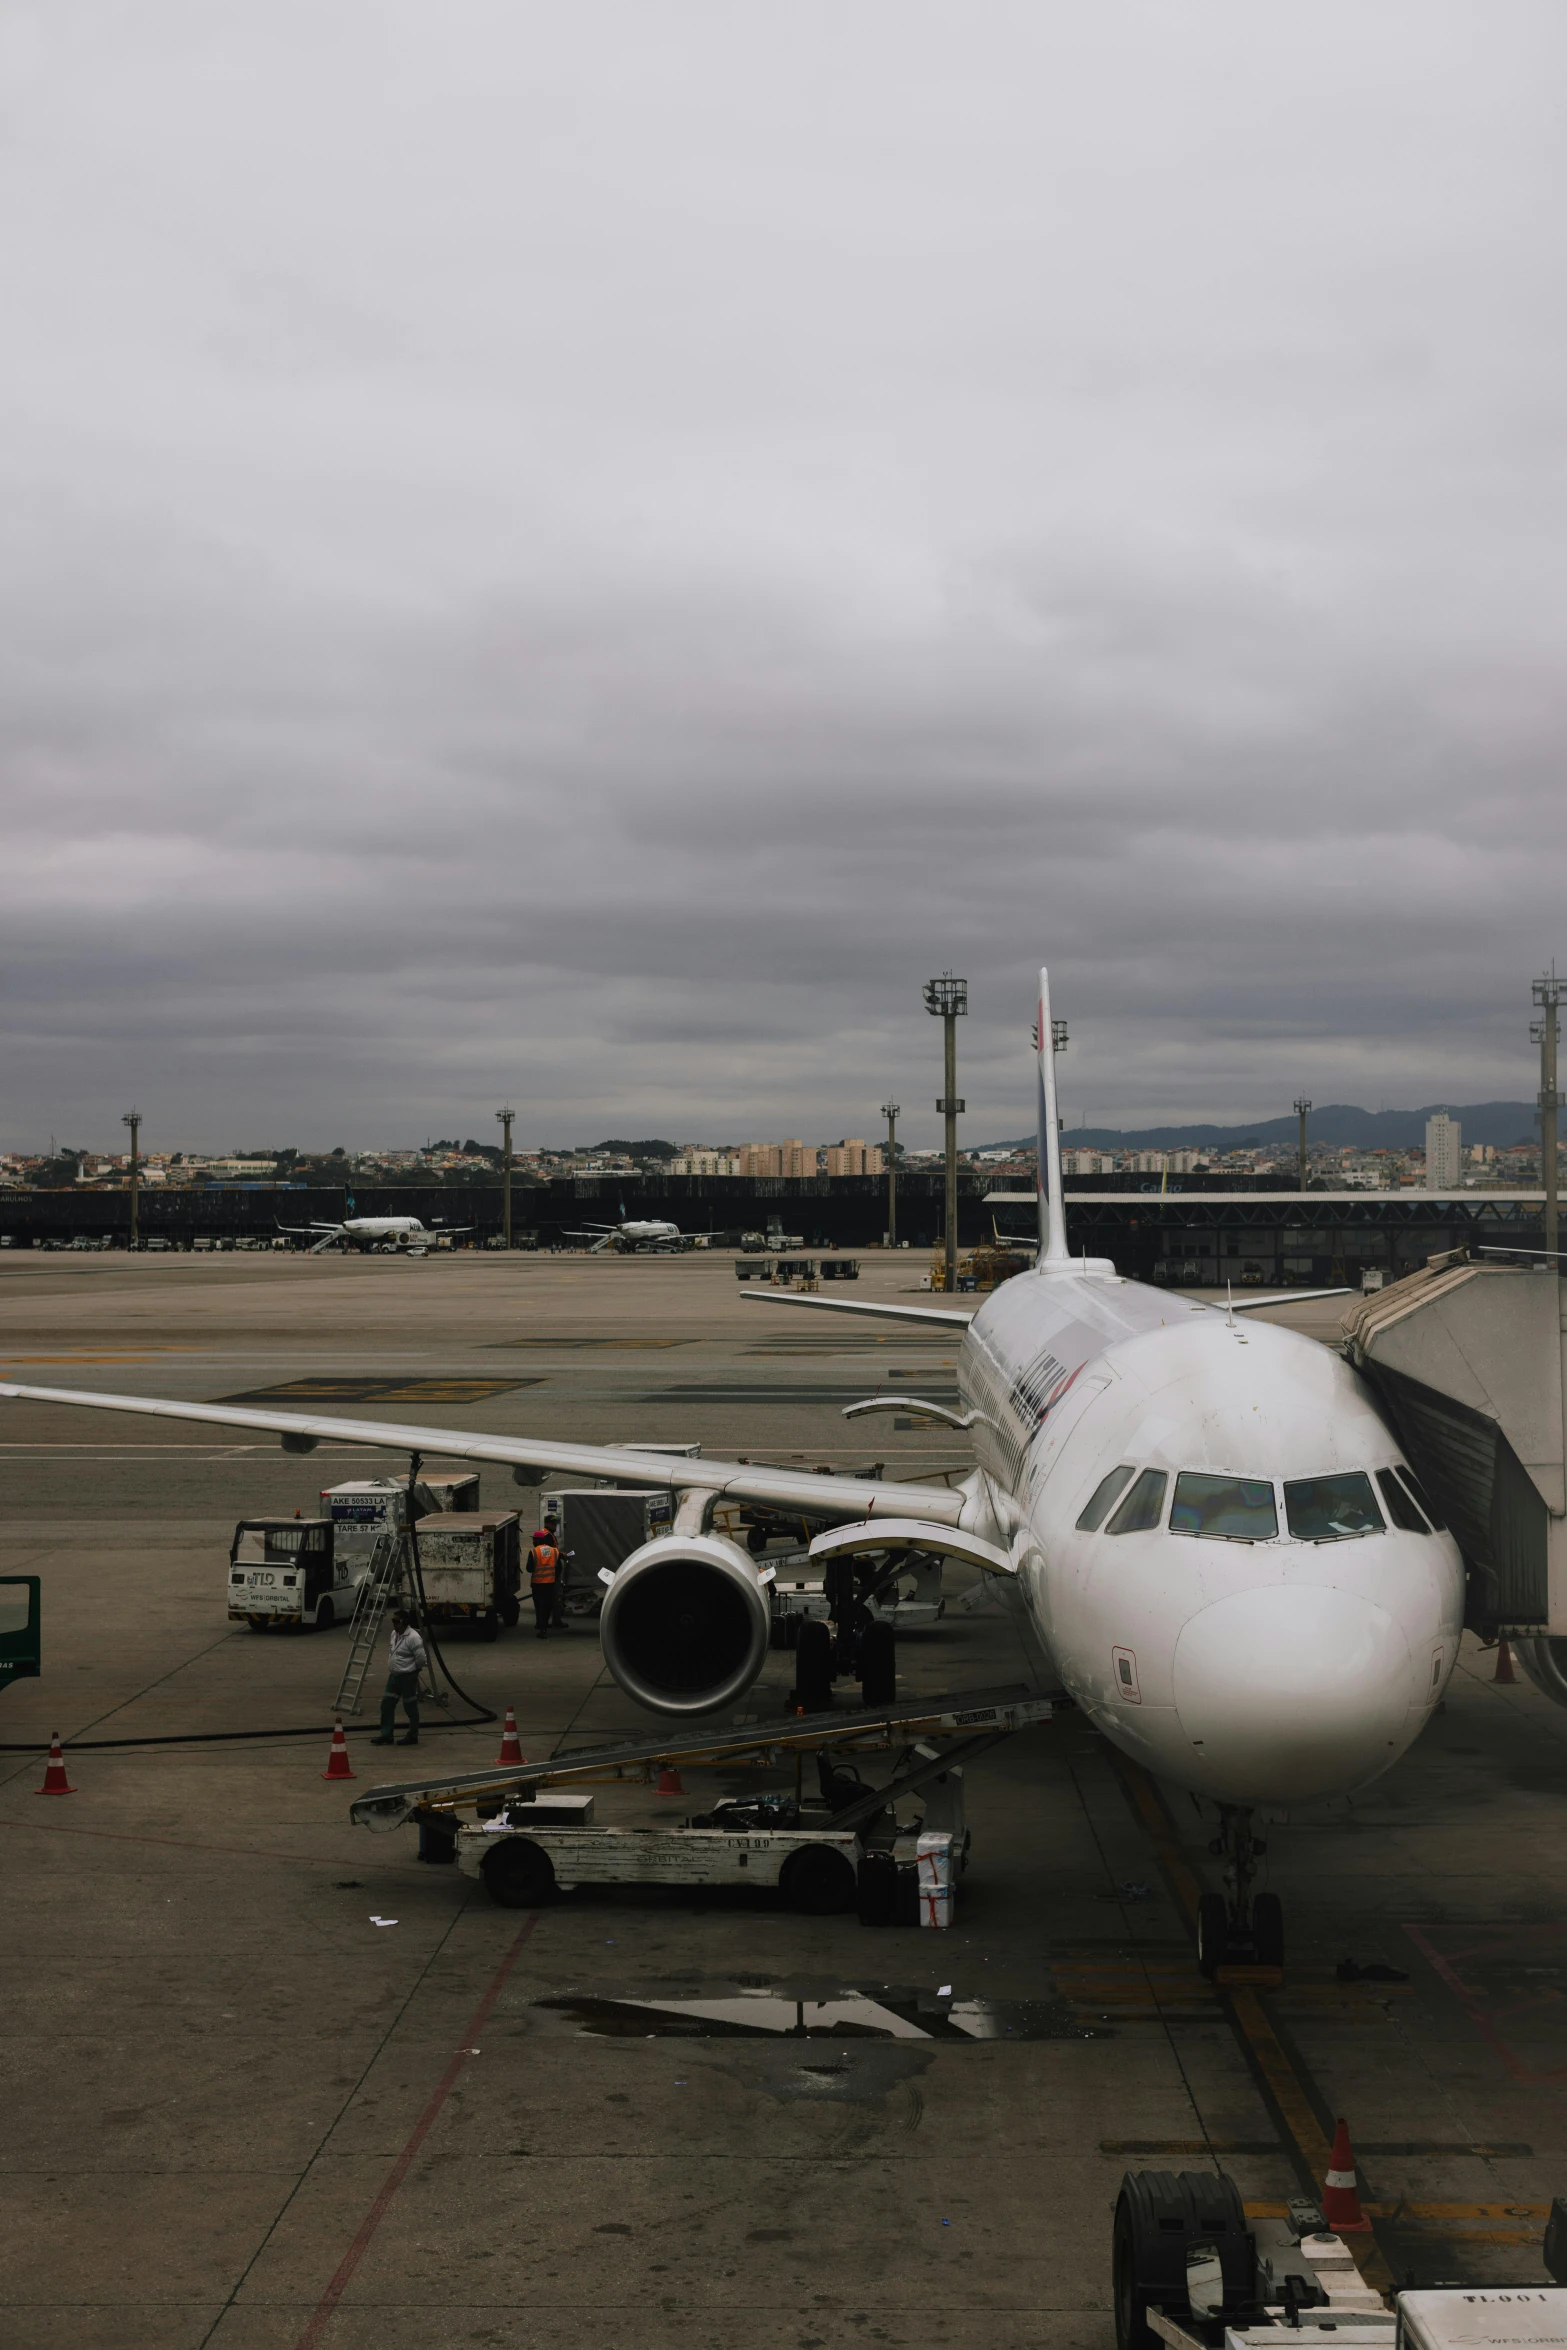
742 1480
303 1229
854 1305
1285 1297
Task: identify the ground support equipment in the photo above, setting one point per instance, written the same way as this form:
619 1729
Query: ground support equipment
843 1846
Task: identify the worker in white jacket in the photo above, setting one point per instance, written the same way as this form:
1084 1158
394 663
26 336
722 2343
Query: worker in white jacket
405 1663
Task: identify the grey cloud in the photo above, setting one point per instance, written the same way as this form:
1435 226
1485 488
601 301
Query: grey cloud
581 558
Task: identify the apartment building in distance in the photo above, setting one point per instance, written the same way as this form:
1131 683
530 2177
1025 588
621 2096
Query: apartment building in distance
1444 1153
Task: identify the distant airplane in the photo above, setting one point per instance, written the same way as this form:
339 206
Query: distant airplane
381 1232
651 1232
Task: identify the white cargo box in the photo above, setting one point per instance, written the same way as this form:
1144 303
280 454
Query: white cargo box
1484 2317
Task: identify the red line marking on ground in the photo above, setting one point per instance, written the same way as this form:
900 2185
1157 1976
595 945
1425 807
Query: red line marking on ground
178 1843
1470 2000
421 2130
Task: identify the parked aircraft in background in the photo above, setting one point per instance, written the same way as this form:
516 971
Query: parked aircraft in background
1205 1529
381 1232
649 1232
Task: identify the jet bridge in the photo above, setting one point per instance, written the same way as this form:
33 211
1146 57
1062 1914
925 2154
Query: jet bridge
1466 1360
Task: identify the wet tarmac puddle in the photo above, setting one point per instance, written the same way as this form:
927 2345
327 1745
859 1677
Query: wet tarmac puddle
814 2011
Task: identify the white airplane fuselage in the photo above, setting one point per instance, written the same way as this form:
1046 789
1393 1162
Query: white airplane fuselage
1252 1671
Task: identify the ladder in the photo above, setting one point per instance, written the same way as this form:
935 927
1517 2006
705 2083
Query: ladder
382 1583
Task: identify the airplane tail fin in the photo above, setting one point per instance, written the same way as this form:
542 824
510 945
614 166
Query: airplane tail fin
1052 1207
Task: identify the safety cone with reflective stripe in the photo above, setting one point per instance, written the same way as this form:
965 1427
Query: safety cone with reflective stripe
511 1744
1504 1663
337 1760
1340 2193
55 1780
669 1781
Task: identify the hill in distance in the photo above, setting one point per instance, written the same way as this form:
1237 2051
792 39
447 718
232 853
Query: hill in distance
1499 1123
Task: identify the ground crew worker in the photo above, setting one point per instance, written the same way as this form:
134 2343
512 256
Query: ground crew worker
405 1662
544 1577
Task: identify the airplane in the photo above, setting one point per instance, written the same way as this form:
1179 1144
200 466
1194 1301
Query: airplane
1204 1530
650 1232
397 1232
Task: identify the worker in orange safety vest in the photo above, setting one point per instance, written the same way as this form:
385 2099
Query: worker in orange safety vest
544 1577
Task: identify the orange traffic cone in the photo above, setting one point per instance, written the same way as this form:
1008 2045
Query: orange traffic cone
1340 2194
1504 1663
337 1760
511 1744
669 1781
55 1780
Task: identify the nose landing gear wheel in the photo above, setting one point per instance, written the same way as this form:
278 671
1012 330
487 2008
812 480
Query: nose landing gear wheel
1213 1933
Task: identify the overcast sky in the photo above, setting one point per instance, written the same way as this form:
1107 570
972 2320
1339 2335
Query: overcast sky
580 554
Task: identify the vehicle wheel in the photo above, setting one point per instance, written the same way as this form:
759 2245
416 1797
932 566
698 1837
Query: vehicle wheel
1267 1925
1213 1933
813 1668
1132 2330
756 1539
510 1613
256 1623
326 1615
819 1881
519 1874
879 1665
488 1625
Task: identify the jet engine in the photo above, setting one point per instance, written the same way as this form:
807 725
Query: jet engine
1545 1662
686 1623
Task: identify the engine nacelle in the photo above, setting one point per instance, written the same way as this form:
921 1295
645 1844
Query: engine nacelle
1545 1662
686 1623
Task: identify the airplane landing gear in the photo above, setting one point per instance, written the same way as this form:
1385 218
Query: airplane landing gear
1239 1925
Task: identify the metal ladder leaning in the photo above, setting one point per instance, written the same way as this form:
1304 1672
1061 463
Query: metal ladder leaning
381 1584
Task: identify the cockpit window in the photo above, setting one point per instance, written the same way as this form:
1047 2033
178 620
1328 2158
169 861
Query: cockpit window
1104 1493
1224 1509
1332 1509
1143 1507
1408 1477
1400 1508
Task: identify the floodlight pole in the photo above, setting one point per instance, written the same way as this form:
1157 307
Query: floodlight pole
506 1116
1301 1108
1548 994
892 1112
946 1000
132 1119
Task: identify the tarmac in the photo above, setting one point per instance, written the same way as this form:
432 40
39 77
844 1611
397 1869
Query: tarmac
242 2112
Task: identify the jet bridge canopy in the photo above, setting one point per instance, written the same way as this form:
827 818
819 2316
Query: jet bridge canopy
1466 1361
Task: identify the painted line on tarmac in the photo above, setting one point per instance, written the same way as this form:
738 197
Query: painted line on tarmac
421 2130
1280 2080
189 1844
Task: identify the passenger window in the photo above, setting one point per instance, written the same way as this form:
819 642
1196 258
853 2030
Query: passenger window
1400 1508
1332 1509
1224 1509
1143 1507
1408 1477
1105 1492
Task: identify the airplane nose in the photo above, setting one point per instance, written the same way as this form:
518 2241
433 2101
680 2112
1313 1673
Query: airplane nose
1291 1691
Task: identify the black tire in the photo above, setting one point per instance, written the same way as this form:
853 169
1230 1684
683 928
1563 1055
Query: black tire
488 1626
519 1874
257 1623
756 1540
326 1615
1132 2330
813 1667
818 1881
1267 1926
510 1612
879 1665
878 1889
1213 1934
